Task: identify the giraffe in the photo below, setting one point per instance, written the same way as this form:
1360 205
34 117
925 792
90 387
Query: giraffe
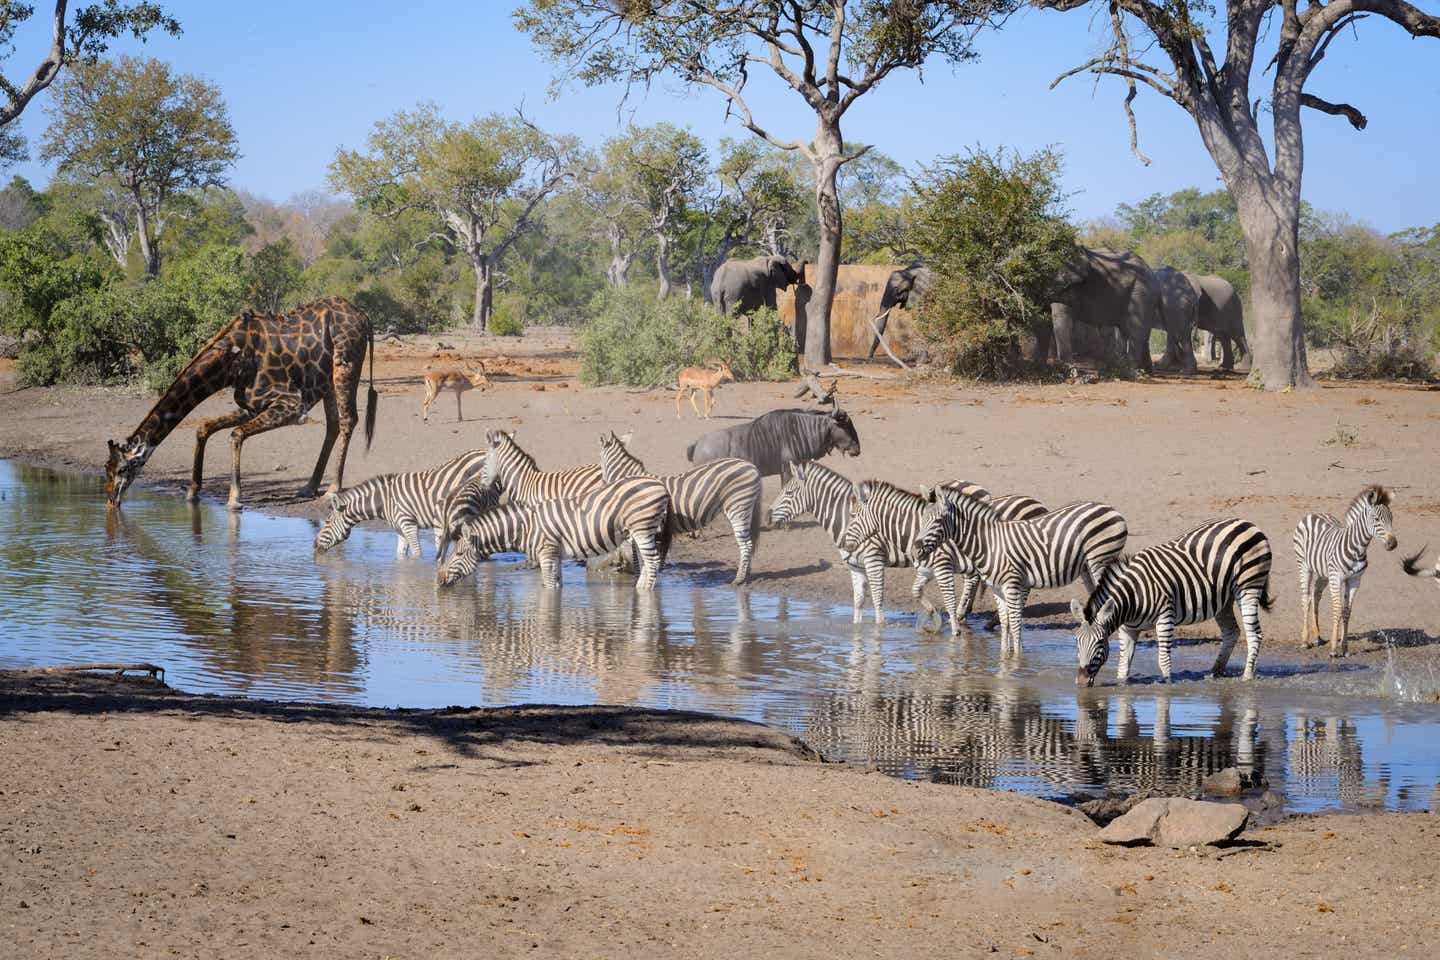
280 367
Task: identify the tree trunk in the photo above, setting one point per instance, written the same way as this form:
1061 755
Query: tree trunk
1272 238
149 252
618 273
828 150
484 289
662 263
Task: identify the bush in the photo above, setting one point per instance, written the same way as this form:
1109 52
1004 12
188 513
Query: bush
507 316
1376 347
634 339
994 231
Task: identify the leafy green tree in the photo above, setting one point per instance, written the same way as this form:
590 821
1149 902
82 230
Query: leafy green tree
20 205
829 53
151 133
994 229
481 180
275 274
80 37
755 199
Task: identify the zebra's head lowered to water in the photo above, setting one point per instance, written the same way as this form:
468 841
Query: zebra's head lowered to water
347 508
1092 637
468 501
1372 508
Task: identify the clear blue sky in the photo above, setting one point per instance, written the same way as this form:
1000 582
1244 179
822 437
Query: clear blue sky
303 77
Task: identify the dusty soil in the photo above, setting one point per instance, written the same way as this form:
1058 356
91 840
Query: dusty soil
1168 453
141 821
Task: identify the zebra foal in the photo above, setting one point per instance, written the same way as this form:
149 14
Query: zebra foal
503 529
699 495
408 502
1014 557
1197 576
1330 552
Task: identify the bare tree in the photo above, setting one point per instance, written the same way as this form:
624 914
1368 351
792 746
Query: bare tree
828 52
1217 95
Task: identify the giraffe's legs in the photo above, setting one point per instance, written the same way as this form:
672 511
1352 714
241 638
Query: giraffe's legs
332 429
344 400
202 434
281 413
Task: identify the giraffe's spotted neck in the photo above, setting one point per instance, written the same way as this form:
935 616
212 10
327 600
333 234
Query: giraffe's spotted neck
210 371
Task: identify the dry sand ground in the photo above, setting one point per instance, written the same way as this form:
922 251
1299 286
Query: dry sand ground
1168 453
140 822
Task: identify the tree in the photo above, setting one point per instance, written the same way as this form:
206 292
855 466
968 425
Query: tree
1217 96
151 132
828 52
481 180
994 229
754 199
20 205
80 38
275 273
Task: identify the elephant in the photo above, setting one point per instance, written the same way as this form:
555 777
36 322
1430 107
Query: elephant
1215 308
1179 304
1102 288
905 288
744 286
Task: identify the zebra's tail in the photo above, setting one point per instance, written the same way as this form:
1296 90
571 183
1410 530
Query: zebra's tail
757 518
1266 601
372 399
666 535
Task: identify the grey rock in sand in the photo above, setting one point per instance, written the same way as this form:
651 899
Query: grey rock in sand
1223 783
1177 822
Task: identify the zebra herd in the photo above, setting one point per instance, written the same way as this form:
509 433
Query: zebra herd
956 533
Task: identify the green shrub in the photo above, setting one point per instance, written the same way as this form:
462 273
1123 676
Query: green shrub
635 339
993 229
507 315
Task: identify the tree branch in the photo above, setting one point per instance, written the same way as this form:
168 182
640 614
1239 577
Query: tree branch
1356 118
43 75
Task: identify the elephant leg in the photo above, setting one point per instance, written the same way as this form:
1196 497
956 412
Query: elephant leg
1228 360
1064 324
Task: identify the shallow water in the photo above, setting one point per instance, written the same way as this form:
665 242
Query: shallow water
237 604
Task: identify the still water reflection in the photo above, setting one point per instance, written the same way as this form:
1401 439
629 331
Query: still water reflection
237 604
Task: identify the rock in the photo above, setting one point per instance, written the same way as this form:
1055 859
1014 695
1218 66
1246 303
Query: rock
1104 809
1177 822
1223 783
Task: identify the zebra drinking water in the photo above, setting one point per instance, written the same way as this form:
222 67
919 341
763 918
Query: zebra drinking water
698 495
408 502
637 508
504 529
1192 578
1016 556
1331 553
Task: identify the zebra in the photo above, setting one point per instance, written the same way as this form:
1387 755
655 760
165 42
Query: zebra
945 565
1013 557
815 489
1332 553
465 504
515 473
598 522
502 529
1192 578
699 494
408 502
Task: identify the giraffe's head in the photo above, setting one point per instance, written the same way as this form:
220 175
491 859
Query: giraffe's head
126 460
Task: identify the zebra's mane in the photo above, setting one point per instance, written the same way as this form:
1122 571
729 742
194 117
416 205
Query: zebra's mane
1105 587
361 490
1373 494
866 489
970 505
508 444
815 470
613 442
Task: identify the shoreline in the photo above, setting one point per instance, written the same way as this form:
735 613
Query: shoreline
256 828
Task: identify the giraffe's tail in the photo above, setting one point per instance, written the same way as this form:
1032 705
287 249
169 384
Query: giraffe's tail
372 399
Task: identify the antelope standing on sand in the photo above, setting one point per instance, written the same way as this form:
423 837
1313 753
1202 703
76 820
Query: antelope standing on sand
704 382
470 377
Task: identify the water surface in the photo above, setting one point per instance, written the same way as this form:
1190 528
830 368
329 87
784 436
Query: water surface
237 604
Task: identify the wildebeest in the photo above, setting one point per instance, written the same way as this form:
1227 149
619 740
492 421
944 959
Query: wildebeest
780 437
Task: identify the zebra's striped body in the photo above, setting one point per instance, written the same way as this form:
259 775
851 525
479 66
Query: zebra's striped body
1197 576
514 472
408 502
697 496
1331 553
946 565
466 503
1014 557
504 529
597 523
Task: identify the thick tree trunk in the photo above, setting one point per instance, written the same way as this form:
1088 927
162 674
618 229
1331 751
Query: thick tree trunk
149 252
484 290
662 263
1272 238
618 273
828 150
